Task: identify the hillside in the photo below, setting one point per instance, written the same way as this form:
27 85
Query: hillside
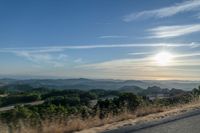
86 84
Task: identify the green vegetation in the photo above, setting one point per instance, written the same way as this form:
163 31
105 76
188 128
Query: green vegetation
70 104
19 98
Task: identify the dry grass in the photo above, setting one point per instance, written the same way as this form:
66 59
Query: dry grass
146 110
148 113
62 125
77 124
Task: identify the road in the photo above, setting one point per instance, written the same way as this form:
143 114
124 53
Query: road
186 123
12 106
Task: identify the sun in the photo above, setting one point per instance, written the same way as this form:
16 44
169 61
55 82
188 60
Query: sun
163 58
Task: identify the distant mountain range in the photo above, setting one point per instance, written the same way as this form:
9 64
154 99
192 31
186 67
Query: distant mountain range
154 90
87 84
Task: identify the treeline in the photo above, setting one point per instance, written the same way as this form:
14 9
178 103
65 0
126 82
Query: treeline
17 99
84 104
70 103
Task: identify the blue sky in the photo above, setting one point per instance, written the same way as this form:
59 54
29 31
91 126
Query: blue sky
105 39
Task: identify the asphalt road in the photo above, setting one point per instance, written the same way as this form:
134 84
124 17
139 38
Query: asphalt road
186 123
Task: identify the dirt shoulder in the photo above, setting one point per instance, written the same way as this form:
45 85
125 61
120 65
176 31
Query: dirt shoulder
180 109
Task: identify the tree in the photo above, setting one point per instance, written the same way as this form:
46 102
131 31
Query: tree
196 92
129 100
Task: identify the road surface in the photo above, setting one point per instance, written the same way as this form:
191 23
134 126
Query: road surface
13 106
186 123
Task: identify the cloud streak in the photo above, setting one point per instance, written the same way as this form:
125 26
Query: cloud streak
54 56
112 37
143 64
140 53
147 62
145 68
187 55
43 58
173 31
178 8
198 15
54 49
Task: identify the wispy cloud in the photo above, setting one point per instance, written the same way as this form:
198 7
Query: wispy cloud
194 45
43 58
173 31
187 55
140 53
54 55
198 15
55 49
145 68
145 63
78 60
112 36
186 6
118 63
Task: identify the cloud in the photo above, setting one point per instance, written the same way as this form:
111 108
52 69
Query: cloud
173 31
144 68
53 55
146 62
43 58
140 53
194 45
112 36
198 15
56 49
62 57
79 60
187 55
118 63
178 8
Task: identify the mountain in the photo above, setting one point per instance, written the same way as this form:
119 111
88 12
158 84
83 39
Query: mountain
5 81
155 90
134 89
174 92
86 84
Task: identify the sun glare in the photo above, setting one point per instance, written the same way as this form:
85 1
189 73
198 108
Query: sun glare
163 58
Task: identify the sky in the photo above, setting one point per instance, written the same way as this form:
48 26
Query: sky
100 39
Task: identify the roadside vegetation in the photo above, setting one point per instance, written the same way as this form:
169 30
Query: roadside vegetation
65 111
